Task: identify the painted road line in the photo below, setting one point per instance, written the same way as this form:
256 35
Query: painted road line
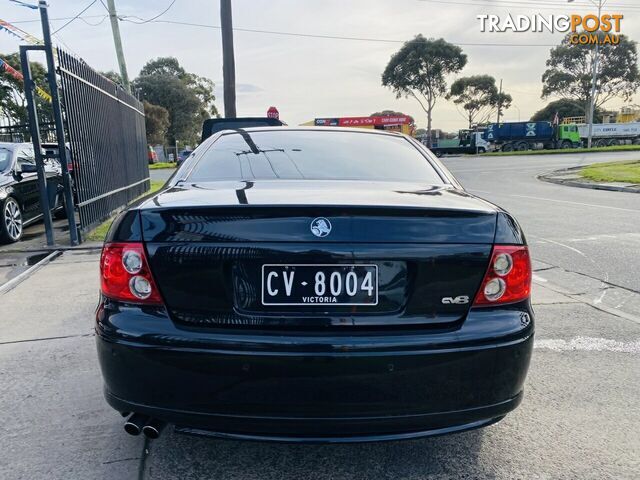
558 201
14 282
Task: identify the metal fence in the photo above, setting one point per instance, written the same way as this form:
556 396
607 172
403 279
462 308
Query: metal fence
107 141
20 133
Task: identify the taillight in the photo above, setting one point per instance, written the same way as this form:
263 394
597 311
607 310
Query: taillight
508 278
125 274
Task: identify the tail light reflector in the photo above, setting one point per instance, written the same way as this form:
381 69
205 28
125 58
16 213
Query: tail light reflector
125 274
508 278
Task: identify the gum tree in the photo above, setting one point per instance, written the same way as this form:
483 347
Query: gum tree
419 70
570 67
479 97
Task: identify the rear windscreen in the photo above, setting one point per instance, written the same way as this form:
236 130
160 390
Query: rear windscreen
318 155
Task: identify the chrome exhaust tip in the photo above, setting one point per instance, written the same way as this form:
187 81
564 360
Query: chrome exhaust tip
153 428
133 426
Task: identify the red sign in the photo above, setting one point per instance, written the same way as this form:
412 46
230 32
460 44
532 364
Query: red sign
273 112
363 121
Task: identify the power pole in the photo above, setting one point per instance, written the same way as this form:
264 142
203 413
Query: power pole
117 41
499 103
228 62
594 81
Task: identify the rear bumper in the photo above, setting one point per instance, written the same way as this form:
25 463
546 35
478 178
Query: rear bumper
312 388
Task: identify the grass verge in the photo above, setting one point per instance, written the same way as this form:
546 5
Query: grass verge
614 148
161 165
628 172
98 234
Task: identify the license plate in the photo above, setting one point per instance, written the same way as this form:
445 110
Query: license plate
315 285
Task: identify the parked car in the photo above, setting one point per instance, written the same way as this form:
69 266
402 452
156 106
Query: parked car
183 155
19 194
51 150
152 156
292 284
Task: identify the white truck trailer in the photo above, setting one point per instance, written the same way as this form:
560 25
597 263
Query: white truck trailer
605 134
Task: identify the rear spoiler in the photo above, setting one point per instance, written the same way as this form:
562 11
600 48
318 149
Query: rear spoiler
213 125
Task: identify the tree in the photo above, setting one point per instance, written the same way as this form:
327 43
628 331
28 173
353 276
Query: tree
115 77
565 108
188 98
393 113
419 70
569 72
389 113
479 96
156 122
13 103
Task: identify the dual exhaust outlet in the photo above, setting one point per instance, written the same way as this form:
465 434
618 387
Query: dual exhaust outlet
138 423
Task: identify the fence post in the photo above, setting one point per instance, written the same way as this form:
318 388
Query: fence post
57 116
34 130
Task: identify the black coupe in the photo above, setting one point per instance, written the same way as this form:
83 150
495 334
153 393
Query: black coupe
19 194
314 285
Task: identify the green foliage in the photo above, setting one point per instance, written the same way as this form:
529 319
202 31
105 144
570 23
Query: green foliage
115 77
390 113
565 108
162 165
13 103
628 172
419 70
479 97
156 122
569 72
188 98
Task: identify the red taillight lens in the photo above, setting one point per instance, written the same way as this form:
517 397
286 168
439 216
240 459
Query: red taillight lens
125 274
508 278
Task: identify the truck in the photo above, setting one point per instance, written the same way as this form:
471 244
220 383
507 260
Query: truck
467 141
606 134
520 136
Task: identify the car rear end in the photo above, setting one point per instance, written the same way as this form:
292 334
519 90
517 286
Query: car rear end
411 317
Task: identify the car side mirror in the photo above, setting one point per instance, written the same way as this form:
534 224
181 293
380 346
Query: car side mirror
28 168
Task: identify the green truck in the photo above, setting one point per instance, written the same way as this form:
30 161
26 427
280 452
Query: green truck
467 141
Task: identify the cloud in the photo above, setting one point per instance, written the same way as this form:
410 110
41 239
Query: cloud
241 88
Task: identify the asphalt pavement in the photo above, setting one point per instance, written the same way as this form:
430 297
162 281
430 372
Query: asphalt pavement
580 418
161 173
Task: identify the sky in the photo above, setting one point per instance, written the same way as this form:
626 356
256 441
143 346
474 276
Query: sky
307 77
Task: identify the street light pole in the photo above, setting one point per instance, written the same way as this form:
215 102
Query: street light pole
594 76
516 107
499 103
117 41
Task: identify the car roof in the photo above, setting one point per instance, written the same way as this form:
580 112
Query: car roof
370 131
12 145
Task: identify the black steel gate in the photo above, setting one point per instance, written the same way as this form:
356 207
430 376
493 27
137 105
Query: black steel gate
107 141
104 126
